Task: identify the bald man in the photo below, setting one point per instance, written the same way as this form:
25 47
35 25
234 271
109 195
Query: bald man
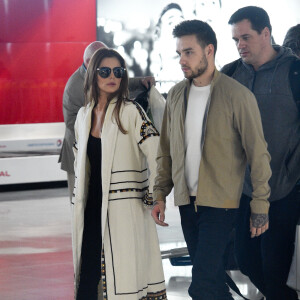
73 99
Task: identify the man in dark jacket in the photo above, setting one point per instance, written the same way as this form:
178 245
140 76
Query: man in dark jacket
265 69
73 100
292 39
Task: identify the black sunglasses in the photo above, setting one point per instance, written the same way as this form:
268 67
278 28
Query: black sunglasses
104 72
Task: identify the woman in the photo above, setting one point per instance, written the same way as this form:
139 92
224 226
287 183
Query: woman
114 236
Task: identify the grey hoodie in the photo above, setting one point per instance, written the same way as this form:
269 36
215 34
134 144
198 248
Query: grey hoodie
280 119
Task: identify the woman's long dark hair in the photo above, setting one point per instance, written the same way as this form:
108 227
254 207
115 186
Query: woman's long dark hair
92 91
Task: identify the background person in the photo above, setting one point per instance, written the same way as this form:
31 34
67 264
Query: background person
292 39
211 128
164 65
115 142
265 69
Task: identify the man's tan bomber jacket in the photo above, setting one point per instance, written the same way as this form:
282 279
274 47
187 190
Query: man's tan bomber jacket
232 136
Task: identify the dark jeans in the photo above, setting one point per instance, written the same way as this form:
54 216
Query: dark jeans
266 259
206 233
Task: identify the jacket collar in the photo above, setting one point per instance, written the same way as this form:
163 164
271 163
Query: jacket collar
91 104
213 82
82 70
283 54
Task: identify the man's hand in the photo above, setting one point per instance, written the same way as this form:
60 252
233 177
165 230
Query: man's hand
259 223
158 213
148 81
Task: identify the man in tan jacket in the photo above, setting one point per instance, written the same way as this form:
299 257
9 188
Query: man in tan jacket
211 129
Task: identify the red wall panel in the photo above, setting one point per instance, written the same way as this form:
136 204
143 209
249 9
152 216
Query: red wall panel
41 45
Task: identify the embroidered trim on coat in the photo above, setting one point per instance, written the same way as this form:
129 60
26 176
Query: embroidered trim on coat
75 145
128 190
103 275
161 295
147 128
147 199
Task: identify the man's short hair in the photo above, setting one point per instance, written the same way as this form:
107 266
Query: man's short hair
257 16
292 39
90 50
204 33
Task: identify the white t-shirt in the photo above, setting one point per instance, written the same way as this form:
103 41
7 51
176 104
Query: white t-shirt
193 133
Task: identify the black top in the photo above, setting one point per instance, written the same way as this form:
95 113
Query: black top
94 155
94 201
90 272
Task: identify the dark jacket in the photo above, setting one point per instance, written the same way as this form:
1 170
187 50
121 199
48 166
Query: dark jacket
73 100
280 118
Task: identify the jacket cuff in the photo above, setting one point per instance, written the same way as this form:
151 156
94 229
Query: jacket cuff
259 206
157 196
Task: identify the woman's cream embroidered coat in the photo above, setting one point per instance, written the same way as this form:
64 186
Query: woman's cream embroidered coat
131 262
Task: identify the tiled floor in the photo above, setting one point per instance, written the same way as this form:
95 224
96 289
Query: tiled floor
35 246
35 249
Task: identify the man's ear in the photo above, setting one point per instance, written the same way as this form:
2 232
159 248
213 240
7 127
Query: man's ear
210 49
266 32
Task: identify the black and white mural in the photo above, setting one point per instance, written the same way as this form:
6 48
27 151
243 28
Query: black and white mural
141 30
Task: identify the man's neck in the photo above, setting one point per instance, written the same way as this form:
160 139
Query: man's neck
268 55
206 78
